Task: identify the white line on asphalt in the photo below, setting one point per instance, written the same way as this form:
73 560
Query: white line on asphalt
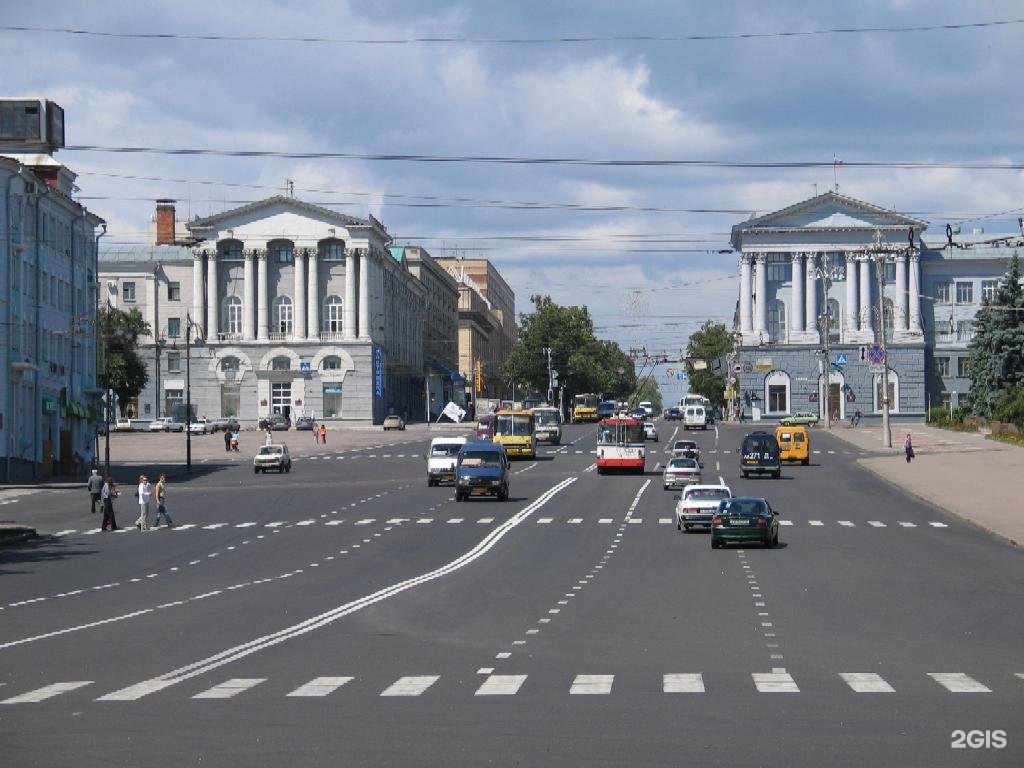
815 522
410 686
501 685
846 523
320 686
213 526
958 682
592 684
906 525
41 694
775 682
683 683
76 628
454 520
938 525
876 523
230 688
866 682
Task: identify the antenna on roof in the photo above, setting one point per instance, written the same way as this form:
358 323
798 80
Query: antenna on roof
290 185
836 162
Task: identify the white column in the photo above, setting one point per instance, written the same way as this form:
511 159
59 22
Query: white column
198 316
746 295
212 302
248 298
796 312
300 294
364 294
900 321
761 320
262 315
313 296
914 298
811 292
865 293
852 307
349 310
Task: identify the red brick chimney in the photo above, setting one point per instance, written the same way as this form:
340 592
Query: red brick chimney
165 222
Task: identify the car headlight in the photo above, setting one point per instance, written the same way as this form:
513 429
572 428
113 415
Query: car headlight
495 482
463 481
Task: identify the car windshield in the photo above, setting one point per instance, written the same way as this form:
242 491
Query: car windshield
446 449
685 445
683 464
480 459
269 450
707 494
742 507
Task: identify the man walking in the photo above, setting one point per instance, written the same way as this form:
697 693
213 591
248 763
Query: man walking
95 486
227 440
161 503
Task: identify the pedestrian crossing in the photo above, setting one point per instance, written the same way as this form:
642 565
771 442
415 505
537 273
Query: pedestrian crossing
778 680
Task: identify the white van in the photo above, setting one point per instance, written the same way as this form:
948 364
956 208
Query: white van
441 459
695 416
648 407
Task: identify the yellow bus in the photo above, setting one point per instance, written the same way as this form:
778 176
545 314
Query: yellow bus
584 408
515 431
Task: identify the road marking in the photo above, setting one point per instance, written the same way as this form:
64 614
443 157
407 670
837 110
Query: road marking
320 686
246 525
365 521
334 522
277 524
636 520
785 522
775 682
76 628
592 685
306 522
665 520
605 521
907 525
938 525
410 686
876 523
184 527
815 522
846 523
544 520
424 520
958 682
501 685
485 520
230 688
683 683
47 692
866 682
574 520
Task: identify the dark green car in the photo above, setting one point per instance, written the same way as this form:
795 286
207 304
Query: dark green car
745 519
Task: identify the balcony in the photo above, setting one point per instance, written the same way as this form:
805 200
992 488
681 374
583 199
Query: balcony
332 336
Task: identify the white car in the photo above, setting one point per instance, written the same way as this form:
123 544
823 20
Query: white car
441 459
200 427
680 472
650 431
166 424
685 448
697 505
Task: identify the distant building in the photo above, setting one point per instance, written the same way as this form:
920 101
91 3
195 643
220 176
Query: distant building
49 404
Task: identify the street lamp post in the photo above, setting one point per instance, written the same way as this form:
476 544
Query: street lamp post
188 391
826 272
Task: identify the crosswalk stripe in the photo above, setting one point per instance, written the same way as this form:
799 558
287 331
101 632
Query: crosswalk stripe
938 525
907 525
866 682
137 691
592 684
230 688
574 520
683 683
775 682
876 523
320 686
365 521
958 682
665 520
306 522
184 527
213 526
846 523
636 520
815 522
46 692
501 685
425 520
410 686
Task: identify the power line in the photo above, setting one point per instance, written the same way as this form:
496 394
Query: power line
553 40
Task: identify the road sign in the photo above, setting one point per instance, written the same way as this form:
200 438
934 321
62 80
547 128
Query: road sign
876 369
876 354
842 359
305 367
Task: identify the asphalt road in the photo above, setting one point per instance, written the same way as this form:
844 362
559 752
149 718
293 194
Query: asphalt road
347 614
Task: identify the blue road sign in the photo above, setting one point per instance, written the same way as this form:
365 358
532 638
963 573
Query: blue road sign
305 367
841 359
876 355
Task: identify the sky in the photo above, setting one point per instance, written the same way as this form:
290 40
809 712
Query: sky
644 245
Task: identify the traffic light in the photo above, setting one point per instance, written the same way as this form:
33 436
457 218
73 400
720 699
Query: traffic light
479 378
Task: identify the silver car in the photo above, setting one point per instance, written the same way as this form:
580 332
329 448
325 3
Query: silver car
680 472
697 505
273 456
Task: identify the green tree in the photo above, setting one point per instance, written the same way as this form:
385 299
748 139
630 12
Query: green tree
119 333
996 353
710 342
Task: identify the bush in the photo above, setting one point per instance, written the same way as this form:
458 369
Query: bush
1010 406
939 416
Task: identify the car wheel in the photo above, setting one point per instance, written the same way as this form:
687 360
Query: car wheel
806 462
715 544
255 470
777 474
687 527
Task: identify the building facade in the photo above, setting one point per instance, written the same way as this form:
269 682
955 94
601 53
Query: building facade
837 295
279 306
48 404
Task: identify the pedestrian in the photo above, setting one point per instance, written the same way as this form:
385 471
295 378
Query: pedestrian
227 440
743 415
235 441
908 448
316 433
323 434
161 503
109 493
143 494
270 437
95 486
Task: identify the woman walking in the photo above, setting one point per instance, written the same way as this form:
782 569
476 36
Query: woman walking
323 434
108 494
144 495
908 448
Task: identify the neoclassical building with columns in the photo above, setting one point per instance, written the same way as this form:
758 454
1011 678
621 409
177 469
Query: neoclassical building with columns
293 309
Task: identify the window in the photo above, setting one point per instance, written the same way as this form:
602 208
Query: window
282 318
332 250
777 392
174 401
231 250
890 272
776 320
128 292
779 267
331 364
229 364
174 362
230 399
963 369
282 251
281 397
174 327
988 290
944 330
965 293
281 364
332 400
964 330
943 292
232 322
174 291
942 366
333 307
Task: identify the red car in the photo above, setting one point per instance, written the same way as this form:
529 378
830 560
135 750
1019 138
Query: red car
485 427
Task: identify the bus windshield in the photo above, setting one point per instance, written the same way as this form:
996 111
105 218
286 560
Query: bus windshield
620 432
509 424
546 417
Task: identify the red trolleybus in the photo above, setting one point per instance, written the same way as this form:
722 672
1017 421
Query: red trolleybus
620 445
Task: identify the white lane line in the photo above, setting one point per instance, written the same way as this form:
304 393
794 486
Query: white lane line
246 525
544 520
775 682
938 525
501 685
454 520
958 682
213 526
306 522
785 522
320 686
907 525
574 520
67 532
410 686
230 688
815 522
425 520
876 523
334 522
683 683
846 523
47 692
277 524
183 527
635 520
605 521
137 691
592 684
365 521
76 628
317 621
485 520
866 682
665 520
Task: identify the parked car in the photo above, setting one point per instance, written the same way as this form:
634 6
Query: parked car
686 448
698 504
273 456
650 431
744 519
225 424
201 427
481 469
393 421
276 422
673 414
304 423
806 418
123 425
759 455
680 472
166 424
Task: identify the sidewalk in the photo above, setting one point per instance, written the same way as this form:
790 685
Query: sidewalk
968 475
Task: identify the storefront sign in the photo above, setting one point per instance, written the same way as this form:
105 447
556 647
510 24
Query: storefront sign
378 372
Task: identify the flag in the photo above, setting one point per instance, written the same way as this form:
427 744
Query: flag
453 412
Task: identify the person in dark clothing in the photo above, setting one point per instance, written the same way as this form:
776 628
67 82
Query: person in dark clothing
95 486
108 494
908 448
227 440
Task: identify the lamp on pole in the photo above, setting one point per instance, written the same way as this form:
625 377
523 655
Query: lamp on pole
189 324
880 256
547 351
826 271
107 334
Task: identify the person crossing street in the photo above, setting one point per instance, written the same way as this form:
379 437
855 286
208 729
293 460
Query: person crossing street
161 503
95 486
